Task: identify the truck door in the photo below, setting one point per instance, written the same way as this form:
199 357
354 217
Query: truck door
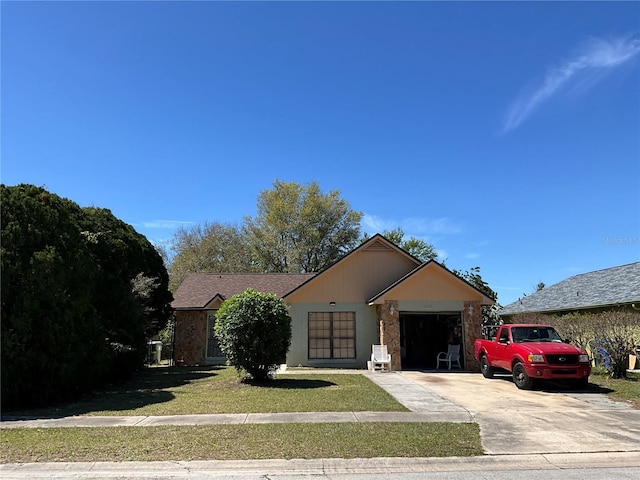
501 354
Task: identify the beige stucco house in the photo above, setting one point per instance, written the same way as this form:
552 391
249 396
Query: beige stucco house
378 293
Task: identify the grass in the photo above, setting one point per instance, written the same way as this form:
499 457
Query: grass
240 442
175 391
620 390
201 390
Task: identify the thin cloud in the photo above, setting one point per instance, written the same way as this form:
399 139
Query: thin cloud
412 227
166 223
581 72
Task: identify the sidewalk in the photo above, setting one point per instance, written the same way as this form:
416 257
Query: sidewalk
558 463
425 406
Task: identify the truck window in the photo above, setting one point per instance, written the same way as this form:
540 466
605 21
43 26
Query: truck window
504 336
535 334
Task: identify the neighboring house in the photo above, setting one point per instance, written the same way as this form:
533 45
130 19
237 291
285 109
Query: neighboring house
377 294
616 287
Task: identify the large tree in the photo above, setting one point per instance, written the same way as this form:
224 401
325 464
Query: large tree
79 288
212 247
132 294
298 228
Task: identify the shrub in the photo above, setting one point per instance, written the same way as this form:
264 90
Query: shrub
254 332
609 336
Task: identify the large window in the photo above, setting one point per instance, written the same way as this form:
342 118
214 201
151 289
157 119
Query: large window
332 335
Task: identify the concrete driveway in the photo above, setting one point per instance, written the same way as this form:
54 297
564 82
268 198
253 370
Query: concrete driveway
547 420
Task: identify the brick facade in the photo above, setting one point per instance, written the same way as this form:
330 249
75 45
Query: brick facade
389 319
190 337
472 329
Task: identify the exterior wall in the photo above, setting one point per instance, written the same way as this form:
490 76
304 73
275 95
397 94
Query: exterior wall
471 329
190 341
356 278
366 334
434 306
389 318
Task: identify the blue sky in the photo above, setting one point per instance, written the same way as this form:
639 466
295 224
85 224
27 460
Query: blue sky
506 134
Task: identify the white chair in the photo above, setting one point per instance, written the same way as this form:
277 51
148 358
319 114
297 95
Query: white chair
452 355
379 358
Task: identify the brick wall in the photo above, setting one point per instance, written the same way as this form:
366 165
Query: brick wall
389 318
472 322
190 337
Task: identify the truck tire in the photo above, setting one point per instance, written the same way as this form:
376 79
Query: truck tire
520 377
485 368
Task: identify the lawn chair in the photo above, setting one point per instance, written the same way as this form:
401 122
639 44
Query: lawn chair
452 355
379 358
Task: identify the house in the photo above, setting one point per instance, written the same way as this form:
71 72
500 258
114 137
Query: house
376 294
616 287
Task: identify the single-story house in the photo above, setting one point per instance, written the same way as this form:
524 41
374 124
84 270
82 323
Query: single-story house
615 287
376 294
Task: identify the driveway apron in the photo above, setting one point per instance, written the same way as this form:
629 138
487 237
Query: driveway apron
544 420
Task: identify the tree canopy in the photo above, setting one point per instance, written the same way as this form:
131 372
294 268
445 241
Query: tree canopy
212 247
299 229
80 292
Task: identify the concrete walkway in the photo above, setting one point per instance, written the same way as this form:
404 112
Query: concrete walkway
424 405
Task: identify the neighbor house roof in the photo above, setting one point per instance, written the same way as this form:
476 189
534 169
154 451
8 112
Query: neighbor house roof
197 290
602 288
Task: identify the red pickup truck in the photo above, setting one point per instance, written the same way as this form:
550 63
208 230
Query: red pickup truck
532 352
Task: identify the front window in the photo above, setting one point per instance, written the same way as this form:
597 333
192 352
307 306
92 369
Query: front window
332 335
535 334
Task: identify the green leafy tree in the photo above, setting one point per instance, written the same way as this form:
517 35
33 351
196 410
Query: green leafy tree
254 332
490 316
52 339
213 248
131 295
418 248
298 228
81 290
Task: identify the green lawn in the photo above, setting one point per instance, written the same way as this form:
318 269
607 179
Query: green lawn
620 390
197 390
240 442
168 391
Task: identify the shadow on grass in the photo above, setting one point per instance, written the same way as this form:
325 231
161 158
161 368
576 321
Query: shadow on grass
147 387
290 383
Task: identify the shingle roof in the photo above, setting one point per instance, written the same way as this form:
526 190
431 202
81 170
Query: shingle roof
198 289
608 287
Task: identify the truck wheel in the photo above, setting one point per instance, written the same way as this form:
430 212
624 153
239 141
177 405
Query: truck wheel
485 368
520 377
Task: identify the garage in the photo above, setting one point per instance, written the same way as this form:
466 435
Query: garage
424 335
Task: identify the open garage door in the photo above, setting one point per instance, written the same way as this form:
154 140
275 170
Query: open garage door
424 335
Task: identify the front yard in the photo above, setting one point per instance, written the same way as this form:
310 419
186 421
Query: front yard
177 391
200 390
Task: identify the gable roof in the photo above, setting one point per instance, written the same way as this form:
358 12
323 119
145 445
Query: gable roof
377 243
197 290
432 264
602 288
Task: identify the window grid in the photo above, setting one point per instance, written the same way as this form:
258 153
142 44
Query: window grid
332 335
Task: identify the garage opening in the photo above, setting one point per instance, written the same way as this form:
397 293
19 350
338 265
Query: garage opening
424 335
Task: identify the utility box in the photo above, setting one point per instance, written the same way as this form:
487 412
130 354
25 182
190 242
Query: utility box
155 351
